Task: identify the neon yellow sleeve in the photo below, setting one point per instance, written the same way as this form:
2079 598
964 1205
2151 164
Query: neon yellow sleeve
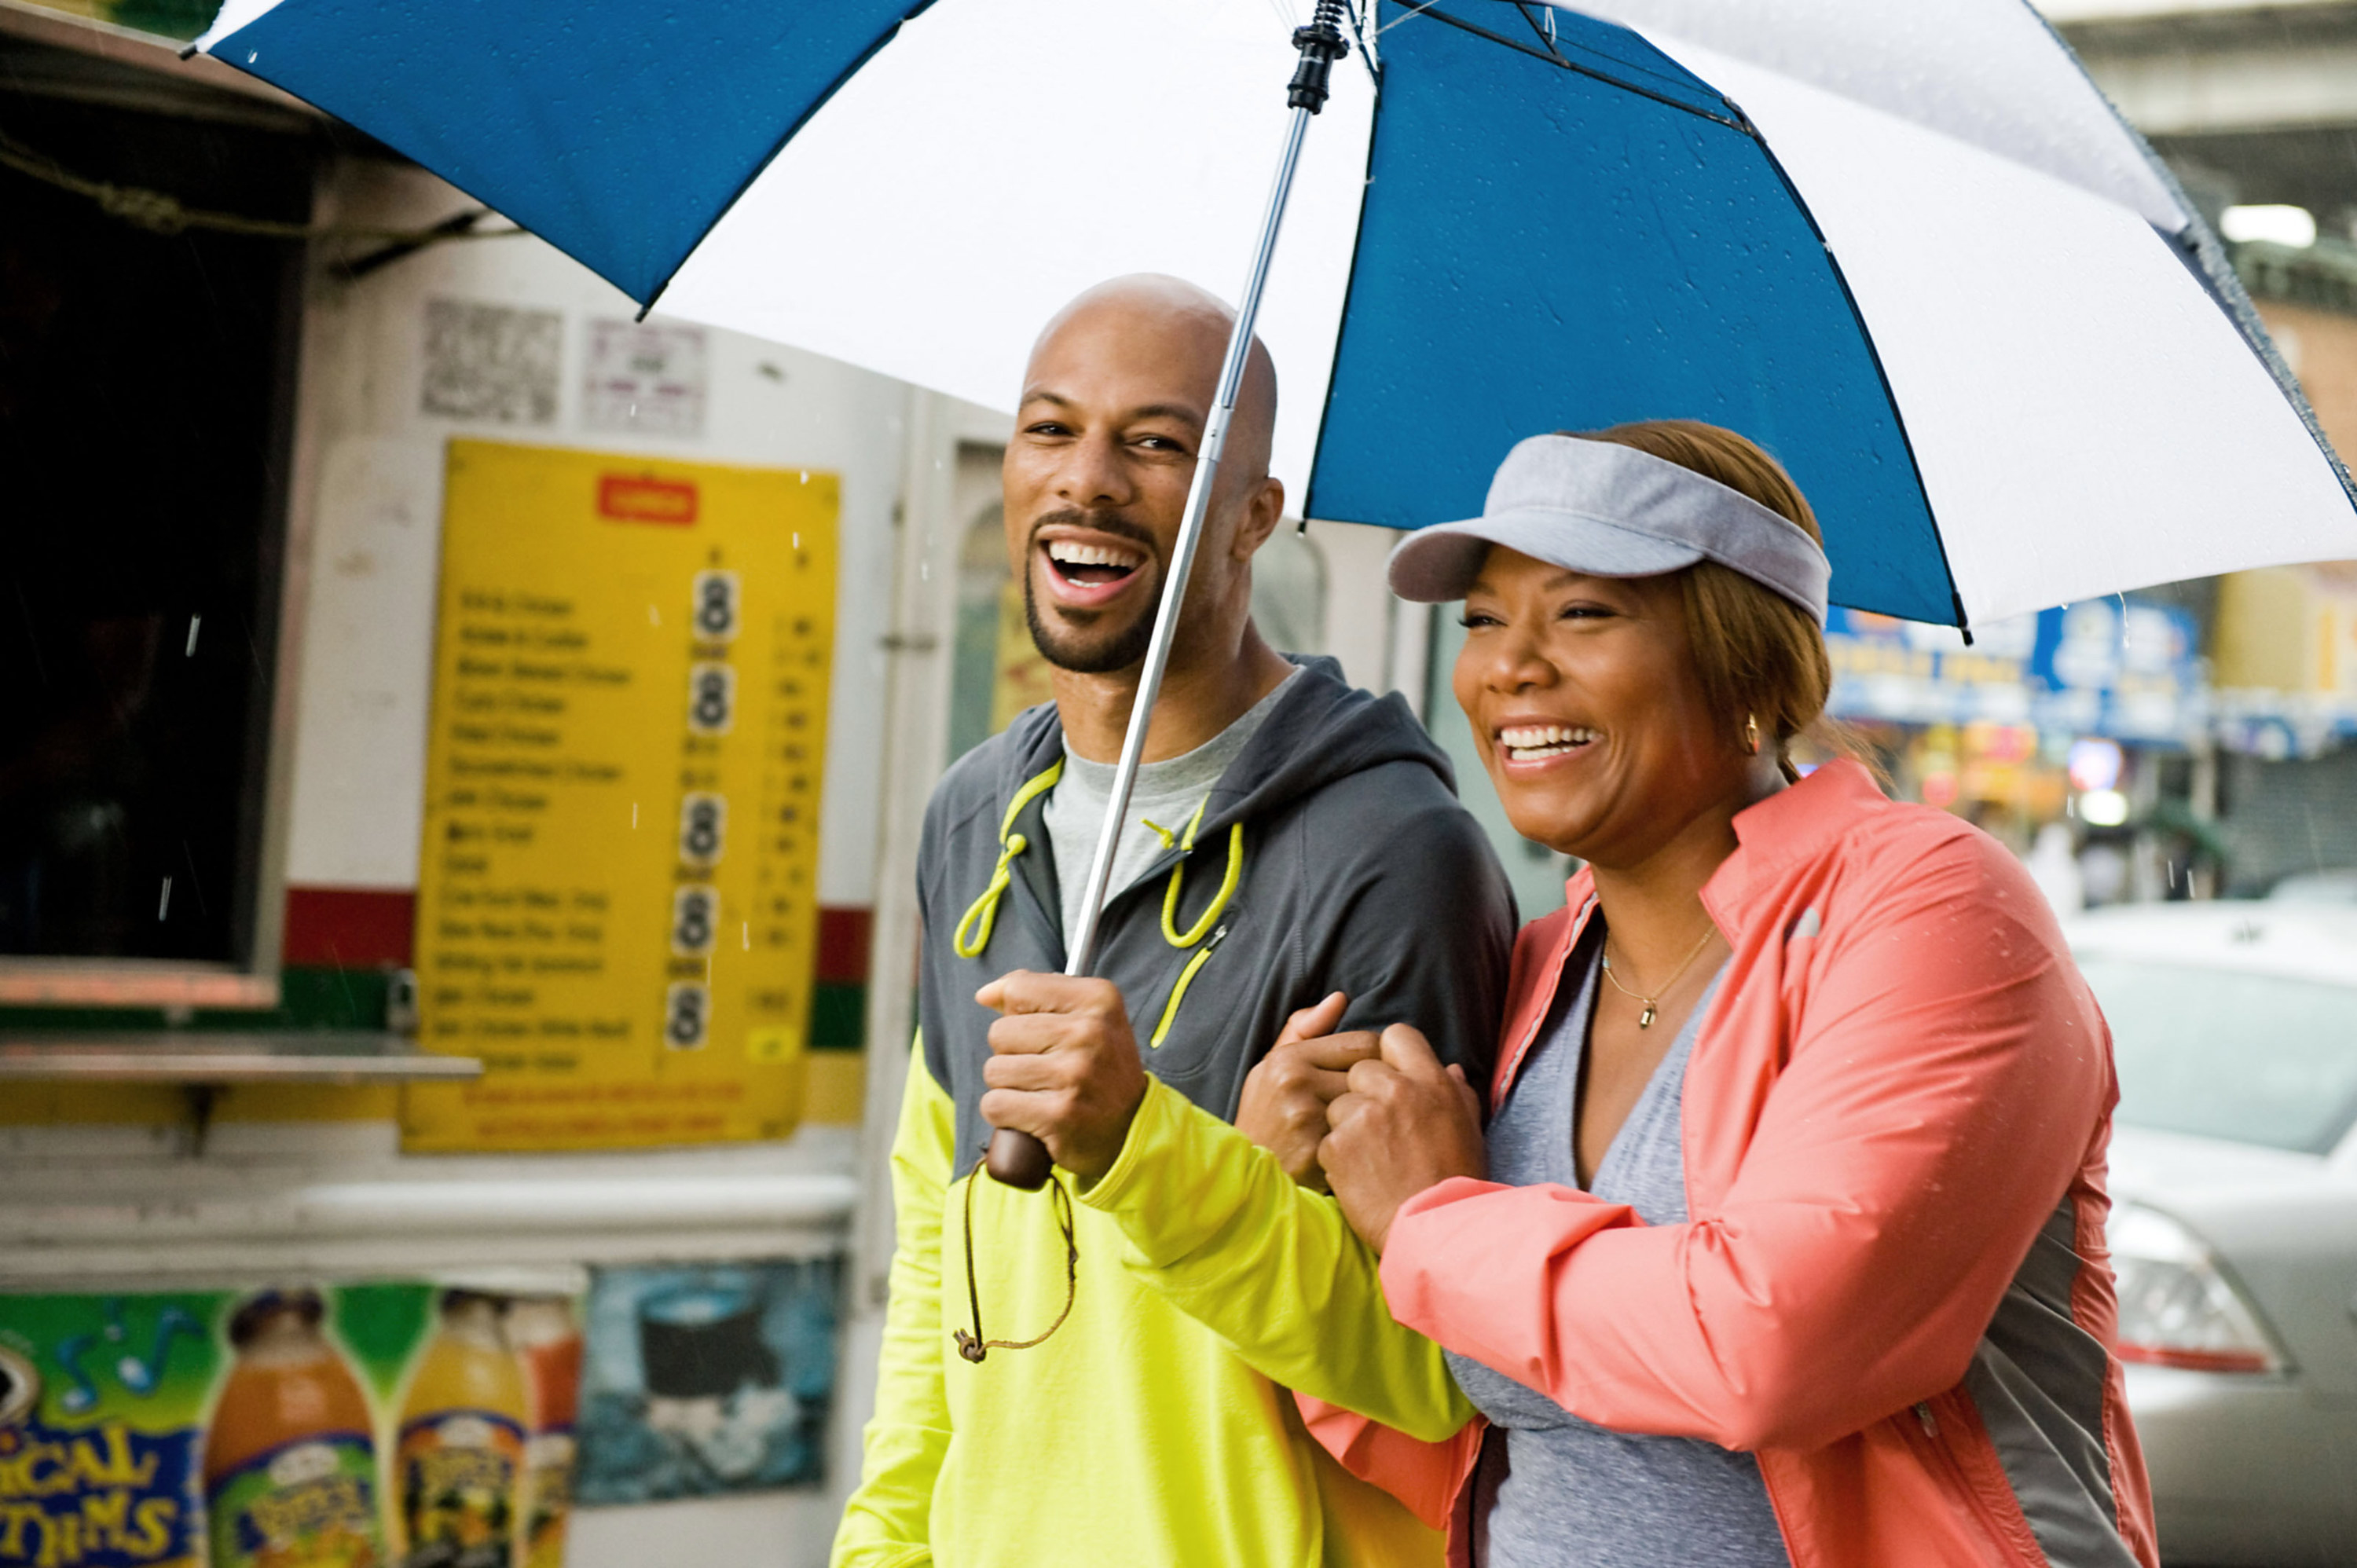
887 1522
1216 1227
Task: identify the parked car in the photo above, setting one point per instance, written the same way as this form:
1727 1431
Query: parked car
2318 887
2235 1222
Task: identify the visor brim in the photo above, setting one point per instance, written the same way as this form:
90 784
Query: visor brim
1437 565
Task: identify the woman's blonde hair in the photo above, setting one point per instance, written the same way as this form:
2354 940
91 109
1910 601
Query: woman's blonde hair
1760 657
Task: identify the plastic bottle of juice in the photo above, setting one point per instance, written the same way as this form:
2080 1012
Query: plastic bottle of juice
460 1457
548 1342
290 1457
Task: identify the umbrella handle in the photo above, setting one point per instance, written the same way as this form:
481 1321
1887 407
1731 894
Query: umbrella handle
1018 1159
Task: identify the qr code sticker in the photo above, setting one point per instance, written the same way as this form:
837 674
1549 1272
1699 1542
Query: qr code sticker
492 362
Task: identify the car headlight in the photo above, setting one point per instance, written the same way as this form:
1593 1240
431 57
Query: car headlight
2177 1308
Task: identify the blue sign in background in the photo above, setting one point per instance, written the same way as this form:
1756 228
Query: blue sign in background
2127 668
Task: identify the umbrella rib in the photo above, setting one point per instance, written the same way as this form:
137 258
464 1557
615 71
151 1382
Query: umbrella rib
1733 122
1544 35
1412 11
1366 53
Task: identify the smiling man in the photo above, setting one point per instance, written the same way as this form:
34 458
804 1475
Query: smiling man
1294 847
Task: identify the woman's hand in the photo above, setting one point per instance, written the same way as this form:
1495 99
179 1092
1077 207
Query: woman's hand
1287 1094
1406 1123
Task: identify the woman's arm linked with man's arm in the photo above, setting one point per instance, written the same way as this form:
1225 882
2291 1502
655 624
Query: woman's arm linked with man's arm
1216 1224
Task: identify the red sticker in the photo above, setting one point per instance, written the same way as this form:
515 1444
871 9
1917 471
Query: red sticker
633 499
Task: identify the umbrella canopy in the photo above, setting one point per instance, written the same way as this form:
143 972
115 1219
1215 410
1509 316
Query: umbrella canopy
1909 249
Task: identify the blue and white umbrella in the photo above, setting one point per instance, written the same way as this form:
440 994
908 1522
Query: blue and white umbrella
1905 244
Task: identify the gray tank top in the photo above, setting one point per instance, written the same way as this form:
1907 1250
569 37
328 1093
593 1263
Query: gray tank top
1553 1490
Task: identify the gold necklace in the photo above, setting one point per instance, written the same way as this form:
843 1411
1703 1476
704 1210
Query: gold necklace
1652 1004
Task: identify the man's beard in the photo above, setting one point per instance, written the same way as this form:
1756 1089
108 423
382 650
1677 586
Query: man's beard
1092 652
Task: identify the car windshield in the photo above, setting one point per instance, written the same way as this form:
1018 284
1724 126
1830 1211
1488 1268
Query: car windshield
2249 1058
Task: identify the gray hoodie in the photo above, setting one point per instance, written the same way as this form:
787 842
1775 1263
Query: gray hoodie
1358 871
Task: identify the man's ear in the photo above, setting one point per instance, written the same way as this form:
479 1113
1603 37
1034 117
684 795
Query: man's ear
1262 515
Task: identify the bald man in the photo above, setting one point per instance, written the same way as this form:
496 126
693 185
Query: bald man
1293 862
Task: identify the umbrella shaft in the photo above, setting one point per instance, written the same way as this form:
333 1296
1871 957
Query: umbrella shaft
1183 555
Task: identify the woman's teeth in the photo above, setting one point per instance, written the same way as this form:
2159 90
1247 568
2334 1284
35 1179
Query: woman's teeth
1092 562
1531 743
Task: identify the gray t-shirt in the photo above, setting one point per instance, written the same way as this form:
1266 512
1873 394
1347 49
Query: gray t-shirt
1166 794
1553 1490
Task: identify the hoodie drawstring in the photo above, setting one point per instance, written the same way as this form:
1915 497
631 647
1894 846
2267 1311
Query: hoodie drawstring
1208 924
1235 874
973 934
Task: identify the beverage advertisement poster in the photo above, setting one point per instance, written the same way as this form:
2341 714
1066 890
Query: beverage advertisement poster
394 1424
618 883
702 1381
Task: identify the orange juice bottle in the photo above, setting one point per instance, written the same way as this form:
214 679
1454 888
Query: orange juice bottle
460 1457
290 1458
548 1343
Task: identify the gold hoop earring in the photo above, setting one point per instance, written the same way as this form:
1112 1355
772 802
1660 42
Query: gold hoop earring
1751 733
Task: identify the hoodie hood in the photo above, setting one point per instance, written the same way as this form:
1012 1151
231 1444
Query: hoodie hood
1322 729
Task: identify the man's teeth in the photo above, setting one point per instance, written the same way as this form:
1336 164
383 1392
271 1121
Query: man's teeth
1528 743
1064 552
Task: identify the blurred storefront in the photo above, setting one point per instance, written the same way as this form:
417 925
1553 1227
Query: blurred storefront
2079 736
442 807
2189 742
2284 657
2286 722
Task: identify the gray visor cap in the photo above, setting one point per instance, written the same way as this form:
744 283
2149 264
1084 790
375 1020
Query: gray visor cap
1612 511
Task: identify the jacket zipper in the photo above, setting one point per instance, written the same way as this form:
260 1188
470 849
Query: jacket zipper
1186 978
1953 1468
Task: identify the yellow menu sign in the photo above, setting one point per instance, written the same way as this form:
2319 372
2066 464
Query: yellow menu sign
617 895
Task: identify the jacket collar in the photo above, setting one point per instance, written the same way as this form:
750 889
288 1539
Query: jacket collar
1794 823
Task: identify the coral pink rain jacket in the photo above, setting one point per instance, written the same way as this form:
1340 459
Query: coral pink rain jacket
1895 1288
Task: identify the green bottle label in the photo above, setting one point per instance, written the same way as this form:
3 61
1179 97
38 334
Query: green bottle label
307 1504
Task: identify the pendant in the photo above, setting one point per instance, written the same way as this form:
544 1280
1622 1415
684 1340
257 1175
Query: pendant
1645 1019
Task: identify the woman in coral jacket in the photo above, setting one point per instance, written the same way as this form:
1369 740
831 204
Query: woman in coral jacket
1785 1241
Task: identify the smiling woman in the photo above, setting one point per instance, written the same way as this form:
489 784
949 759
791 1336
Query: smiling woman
1755 652
1782 1240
